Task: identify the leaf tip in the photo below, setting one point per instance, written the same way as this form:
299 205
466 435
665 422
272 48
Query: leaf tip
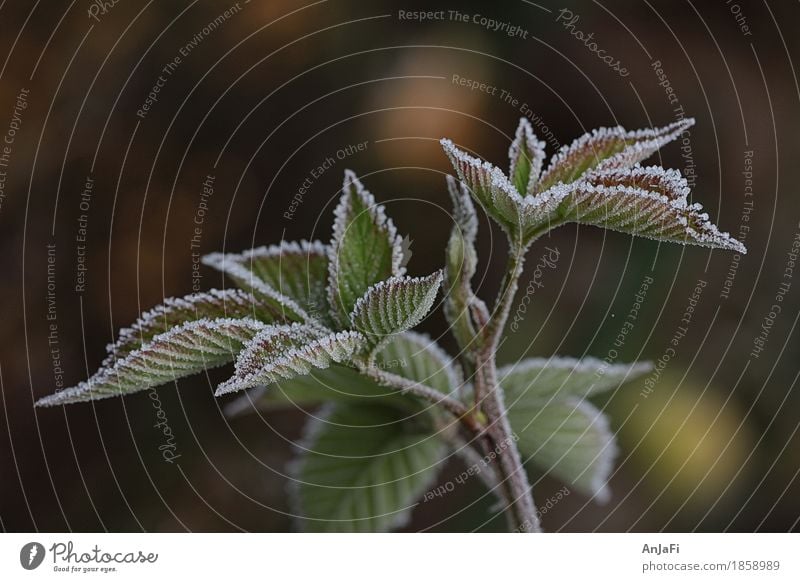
351 179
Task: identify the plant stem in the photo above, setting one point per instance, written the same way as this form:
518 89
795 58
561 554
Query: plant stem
508 289
457 408
487 441
521 510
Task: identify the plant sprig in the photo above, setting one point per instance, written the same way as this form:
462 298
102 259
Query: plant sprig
330 325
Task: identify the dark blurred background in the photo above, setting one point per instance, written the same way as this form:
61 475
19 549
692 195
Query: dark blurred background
259 101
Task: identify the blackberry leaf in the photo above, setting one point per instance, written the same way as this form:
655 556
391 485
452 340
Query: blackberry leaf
182 351
362 467
394 306
365 249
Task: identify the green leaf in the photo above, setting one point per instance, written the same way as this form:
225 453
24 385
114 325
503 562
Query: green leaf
365 249
410 355
597 181
489 186
182 351
544 379
362 469
462 260
336 383
417 357
570 439
527 155
608 148
298 270
394 306
561 432
240 273
520 217
174 311
640 212
287 351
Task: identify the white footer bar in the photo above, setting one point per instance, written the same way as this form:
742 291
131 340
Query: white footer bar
400 557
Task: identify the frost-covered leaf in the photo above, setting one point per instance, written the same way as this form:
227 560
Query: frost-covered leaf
595 180
608 148
410 355
561 432
174 311
462 260
365 249
232 266
643 213
569 439
526 155
296 270
490 187
544 379
283 352
521 217
394 306
335 383
362 469
182 351
668 183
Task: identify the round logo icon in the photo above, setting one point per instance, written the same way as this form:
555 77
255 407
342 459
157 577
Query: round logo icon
31 555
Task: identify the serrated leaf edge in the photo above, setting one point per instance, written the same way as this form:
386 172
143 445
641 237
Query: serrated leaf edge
262 375
102 374
375 292
132 333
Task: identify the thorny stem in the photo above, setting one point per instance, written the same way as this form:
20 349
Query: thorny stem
521 510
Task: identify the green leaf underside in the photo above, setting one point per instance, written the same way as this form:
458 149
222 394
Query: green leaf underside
393 306
364 251
418 357
569 439
214 304
183 351
462 260
281 354
336 383
562 433
560 377
410 355
363 468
